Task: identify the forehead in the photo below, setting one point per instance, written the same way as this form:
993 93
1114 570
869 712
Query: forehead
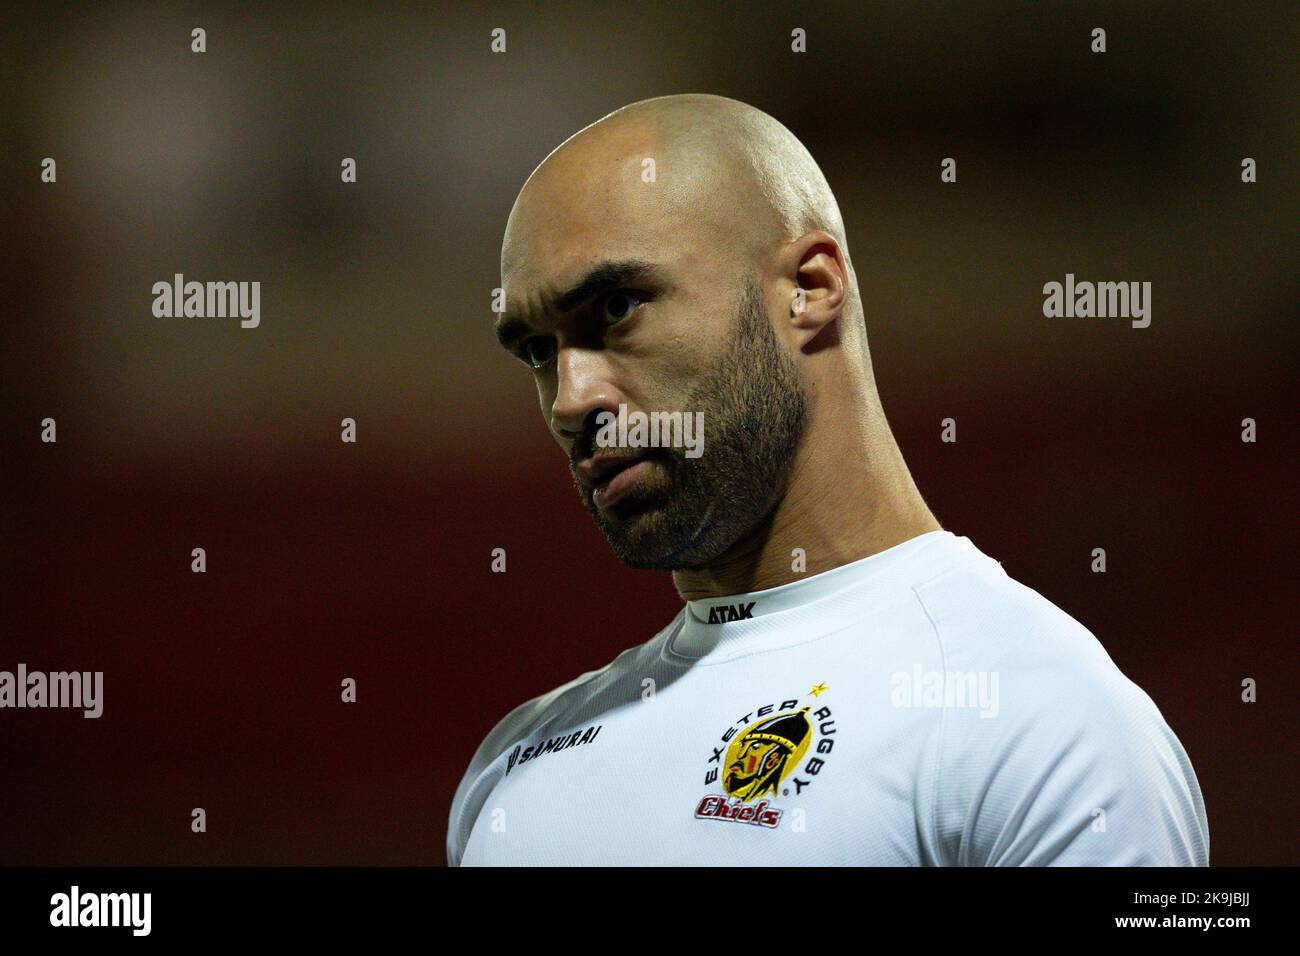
588 202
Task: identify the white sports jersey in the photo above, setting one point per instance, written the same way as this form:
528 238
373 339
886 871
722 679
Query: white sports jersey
917 707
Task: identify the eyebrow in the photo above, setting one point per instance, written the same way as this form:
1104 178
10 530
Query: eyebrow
607 276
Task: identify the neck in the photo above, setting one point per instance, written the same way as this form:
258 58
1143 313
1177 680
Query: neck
835 513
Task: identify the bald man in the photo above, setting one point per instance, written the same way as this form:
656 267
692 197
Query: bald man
847 683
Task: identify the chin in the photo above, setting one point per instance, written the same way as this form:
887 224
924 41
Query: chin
638 541
641 542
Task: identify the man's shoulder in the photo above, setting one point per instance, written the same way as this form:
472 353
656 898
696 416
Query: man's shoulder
1057 738
583 696
577 695
1053 685
984 619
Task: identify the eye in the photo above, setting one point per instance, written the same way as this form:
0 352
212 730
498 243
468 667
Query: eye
617 306
538 350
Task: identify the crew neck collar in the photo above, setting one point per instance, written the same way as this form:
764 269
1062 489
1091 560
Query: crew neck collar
724 627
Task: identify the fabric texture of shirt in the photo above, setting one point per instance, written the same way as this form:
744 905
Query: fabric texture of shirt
917 707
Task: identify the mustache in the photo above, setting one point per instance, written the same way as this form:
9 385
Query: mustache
584 447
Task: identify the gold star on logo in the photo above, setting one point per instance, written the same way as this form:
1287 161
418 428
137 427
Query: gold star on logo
818 689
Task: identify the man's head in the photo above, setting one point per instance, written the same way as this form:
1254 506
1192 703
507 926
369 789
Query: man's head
683 254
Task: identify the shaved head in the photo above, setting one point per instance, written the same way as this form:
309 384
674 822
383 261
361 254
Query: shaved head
752 172
717 162
685 254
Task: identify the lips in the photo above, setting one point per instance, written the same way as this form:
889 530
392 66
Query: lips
598 471
608 477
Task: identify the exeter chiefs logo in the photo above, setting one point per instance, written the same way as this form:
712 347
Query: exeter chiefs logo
760 760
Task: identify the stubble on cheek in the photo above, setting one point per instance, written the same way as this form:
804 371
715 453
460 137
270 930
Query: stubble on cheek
643 522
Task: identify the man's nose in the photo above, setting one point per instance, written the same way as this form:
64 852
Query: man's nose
583 388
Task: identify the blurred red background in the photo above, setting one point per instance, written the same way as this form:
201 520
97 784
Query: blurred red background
372 561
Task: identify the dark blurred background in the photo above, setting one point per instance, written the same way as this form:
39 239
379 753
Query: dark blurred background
372 561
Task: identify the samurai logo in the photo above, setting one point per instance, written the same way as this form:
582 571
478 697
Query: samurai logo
758 760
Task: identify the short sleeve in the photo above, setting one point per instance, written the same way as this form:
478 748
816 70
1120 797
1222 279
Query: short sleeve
1083 771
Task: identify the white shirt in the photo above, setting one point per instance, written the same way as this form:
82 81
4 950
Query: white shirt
915 708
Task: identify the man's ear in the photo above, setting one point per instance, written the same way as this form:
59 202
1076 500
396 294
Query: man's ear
820 286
